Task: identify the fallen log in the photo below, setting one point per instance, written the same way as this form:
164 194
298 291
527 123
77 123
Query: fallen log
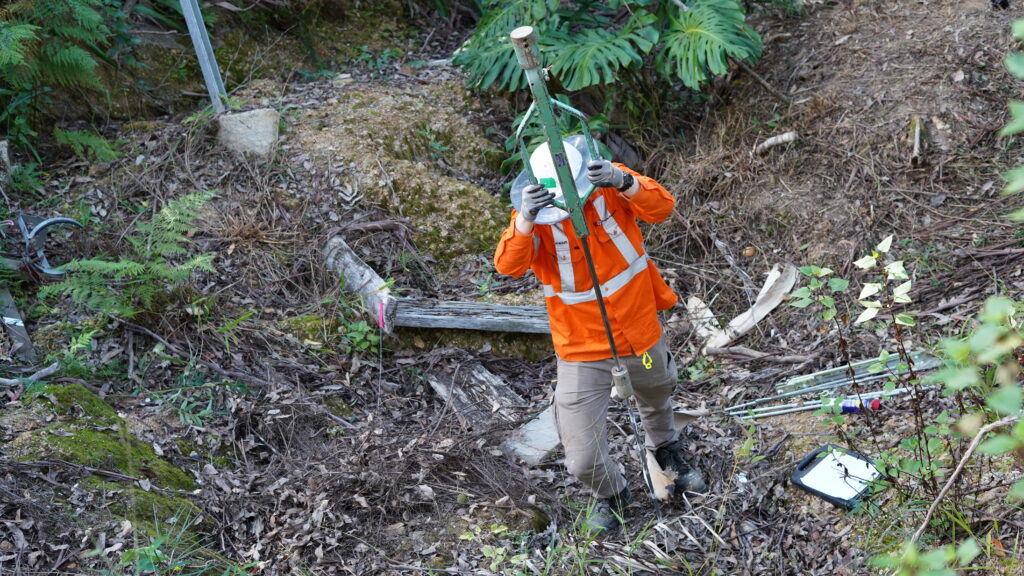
431 313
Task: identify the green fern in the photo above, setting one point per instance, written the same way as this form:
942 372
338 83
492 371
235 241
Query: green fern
145 279
14 43
86 145
699 42
47 44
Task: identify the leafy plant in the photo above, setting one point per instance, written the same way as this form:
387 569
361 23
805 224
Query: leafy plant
86 145
46 44
152 270
359 336
592 43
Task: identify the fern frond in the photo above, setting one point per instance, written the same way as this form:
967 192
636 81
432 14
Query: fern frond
86 145
66 64
595 55
488 57
699 42
14 43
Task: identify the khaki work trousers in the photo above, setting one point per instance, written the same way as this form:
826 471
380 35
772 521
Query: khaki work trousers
582 395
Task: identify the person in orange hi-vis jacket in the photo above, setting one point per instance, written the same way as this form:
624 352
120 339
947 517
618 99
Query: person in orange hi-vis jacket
634 292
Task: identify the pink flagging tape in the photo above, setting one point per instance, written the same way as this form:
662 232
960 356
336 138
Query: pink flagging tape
380 316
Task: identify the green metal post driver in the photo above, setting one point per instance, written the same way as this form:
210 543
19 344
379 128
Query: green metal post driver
524 40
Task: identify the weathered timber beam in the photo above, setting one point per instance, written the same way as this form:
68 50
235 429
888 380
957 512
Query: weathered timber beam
430 313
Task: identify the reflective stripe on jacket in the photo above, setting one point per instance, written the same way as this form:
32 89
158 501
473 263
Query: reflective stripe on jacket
633 289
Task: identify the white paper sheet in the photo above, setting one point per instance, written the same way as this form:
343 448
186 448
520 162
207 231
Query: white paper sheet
840 475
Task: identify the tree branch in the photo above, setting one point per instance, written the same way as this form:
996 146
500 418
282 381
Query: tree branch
959 468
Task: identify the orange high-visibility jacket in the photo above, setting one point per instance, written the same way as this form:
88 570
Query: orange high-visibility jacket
633 288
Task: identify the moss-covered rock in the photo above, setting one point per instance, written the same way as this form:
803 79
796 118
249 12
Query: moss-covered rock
85 430
154 512
418 154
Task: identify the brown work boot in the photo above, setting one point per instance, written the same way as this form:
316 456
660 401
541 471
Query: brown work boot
688 478
606 516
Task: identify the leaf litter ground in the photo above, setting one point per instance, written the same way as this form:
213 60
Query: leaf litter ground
328 462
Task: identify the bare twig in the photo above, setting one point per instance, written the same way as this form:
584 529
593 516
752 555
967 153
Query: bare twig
744 353
44 373
234 374
959 468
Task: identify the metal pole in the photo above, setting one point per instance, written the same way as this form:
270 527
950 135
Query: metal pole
205 54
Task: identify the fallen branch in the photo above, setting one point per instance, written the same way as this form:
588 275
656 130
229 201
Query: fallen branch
744 353
44 373
775 141
959 468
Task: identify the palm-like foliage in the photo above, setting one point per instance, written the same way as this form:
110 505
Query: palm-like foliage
588 43
699 42
488 55
595 55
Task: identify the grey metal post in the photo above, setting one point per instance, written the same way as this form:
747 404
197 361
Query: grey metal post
204 51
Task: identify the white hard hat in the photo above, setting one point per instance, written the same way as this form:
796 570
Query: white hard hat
543 167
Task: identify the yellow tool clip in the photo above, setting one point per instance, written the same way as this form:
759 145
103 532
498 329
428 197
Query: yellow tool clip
647 360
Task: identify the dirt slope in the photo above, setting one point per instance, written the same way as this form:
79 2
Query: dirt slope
316 460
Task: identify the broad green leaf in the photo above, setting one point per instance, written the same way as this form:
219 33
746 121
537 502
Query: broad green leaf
895 271
699 42
1006 400
997 309
1018 29
884 245
866 262
900 293
905 320
1014 181
807 270
1015 64
866 315
803 303
1017 491
825 271
869 289
802 292
871 304
828 314
997 445
590 56
838 284
967 551
827 301
1016 124
956 349
957 378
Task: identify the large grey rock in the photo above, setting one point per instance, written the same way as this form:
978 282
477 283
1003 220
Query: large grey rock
253 132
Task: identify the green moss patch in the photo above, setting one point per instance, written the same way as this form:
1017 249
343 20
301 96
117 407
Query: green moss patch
89 432
154 512
75 400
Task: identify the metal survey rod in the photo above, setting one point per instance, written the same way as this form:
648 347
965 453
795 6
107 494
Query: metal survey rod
524 40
